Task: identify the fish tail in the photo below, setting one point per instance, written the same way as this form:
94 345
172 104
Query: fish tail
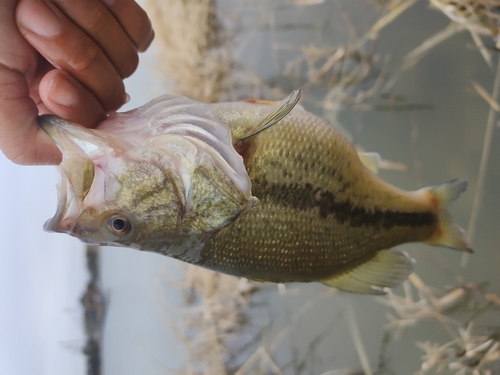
448 233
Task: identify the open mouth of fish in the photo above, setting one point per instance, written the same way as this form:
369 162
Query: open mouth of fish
77 169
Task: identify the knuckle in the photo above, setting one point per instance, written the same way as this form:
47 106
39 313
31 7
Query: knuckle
84 58
95 18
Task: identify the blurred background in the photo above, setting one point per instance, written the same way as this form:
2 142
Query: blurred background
415 80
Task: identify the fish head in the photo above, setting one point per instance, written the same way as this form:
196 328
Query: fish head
161 192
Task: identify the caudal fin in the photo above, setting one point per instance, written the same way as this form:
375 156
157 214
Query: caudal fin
447 232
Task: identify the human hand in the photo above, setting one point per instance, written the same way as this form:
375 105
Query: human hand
94 43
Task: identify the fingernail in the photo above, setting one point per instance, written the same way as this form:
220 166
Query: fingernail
126 99
63 92
40 19
148 42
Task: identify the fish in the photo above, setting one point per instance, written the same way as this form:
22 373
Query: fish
256 189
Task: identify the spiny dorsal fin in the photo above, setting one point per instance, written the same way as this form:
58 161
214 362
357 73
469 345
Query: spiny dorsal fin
282 109
387 269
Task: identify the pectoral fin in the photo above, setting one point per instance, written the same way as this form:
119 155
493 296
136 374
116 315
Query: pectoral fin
388 268
276 114
370 160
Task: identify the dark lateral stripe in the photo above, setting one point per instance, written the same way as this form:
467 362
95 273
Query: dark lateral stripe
306 197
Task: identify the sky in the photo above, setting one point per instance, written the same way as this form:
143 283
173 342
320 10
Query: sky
41 278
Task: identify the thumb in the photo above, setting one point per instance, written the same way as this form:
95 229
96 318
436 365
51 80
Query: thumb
21 139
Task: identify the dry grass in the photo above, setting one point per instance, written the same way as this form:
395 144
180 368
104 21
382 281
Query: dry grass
467 352
478 17
196 50
214 314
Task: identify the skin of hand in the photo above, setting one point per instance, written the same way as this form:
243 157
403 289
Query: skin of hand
65 57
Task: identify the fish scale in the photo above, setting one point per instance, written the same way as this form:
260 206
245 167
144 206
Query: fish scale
315 246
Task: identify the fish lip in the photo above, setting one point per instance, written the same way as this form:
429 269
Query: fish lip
52 125
46 122
49 124
53 225
68 207
58 225
75 139
70 197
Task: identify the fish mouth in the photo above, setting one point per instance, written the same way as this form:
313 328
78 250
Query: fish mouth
77 170
63 202
71 192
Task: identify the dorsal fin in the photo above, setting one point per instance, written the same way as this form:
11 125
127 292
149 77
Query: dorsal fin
276 114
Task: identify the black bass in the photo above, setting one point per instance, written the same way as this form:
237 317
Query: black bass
255 189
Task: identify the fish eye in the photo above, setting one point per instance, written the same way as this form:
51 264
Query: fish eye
118 225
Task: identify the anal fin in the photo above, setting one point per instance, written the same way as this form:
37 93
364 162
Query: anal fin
387 269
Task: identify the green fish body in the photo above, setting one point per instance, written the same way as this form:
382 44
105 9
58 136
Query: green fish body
321 215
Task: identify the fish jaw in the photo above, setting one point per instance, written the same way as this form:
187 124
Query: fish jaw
81 148
66 204
78 176
76 140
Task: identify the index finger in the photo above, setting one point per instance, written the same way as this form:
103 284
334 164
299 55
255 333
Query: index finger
81 56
